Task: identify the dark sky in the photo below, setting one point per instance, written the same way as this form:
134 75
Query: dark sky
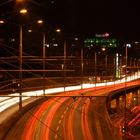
121 18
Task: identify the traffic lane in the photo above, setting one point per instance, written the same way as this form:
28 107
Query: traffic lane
72 124
35 126
26 126
101 90
35 131
15 132
38 120
54 119
102 126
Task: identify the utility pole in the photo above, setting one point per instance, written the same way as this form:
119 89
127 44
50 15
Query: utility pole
44 61
65 55
20 67
82 67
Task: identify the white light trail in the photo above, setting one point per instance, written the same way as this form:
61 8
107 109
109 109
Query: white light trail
6 102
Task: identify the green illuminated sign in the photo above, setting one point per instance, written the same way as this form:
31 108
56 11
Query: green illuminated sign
101 42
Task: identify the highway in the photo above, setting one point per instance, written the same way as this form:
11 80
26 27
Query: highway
74 115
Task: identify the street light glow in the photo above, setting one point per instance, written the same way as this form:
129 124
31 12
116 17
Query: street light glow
128 45
30 30
19 1
106 34
40 21
23 11
2 21
103 49
58 30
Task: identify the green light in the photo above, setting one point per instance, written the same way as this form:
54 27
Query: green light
101 42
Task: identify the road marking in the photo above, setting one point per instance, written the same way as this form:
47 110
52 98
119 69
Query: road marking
56 136
62 116
99 130
59 121
57 128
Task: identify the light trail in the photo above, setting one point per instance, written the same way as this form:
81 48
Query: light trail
36 93
49 108
10 102
70 122
46 121
84 121
31 124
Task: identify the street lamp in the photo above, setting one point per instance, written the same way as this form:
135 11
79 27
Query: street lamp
2 21
82 66
58 30
40 21
22 11
126 57
65 54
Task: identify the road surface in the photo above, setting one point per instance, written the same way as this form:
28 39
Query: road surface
77 115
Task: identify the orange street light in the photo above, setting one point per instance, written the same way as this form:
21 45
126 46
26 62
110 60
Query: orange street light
58 30
2 21
23 11
20 1
40 21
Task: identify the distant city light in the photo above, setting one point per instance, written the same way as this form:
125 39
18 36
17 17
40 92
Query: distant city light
123 66
29 30
2 21
136 42
13 40
76 38
128 45
55 45
47 45
102 35
106 34
103 49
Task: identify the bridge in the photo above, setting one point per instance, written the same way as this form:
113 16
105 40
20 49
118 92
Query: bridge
88 111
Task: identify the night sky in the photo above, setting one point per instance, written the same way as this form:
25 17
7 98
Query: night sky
118 17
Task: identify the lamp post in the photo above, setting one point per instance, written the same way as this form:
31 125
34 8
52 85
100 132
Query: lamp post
125 96
20 67
44 60
126 59
95 66
82 67
22 11
65 56
43 54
